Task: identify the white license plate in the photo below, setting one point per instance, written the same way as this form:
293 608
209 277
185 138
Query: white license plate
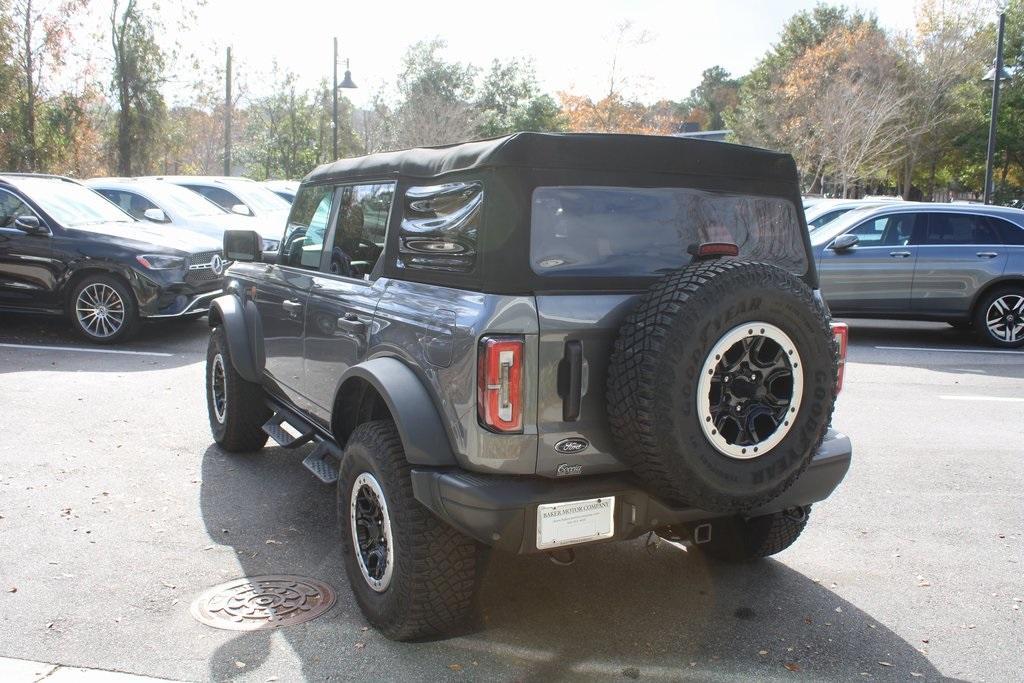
578 521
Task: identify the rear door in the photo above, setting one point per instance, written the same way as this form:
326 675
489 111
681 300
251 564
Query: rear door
958 254
282 292
345 292
876 275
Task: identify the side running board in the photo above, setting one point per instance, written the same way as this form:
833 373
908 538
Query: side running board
291 431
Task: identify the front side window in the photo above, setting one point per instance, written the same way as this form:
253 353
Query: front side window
954 229
221 198
632 231
134 204
894 230
11 208
307 223
361 229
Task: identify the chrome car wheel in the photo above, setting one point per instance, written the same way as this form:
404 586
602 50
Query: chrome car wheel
100 310
1005 318
750 389
371 532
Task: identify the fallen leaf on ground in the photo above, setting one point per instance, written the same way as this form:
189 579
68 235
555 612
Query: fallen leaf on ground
272 541
455 667
762 652
168 585
240 665
791 666
915 674
360 646
885 663
12 589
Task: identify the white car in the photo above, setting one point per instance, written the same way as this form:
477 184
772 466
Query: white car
266 212
166 203
285 189
823 211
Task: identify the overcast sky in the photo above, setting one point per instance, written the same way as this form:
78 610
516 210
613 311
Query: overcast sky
570 41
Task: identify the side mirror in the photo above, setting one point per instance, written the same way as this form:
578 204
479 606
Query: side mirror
243 245
30 224
241 210
845 242
155 215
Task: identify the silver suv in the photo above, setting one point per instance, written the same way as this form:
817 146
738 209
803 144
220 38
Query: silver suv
531 343
963 264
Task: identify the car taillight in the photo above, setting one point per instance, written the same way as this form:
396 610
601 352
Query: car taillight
500 383
841 333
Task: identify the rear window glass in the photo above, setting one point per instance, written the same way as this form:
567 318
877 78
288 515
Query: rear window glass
628 231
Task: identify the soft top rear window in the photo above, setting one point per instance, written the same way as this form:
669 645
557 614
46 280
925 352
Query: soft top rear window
631 231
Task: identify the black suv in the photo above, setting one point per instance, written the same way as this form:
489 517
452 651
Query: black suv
536 342
66 250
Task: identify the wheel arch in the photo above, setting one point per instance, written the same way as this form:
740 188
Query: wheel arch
1008 280
386 387
241 325
76 276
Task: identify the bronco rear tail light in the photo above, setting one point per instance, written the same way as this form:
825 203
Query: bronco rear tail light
841 333
500 384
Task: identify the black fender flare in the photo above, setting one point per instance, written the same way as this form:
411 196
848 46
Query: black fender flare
241 324
419 425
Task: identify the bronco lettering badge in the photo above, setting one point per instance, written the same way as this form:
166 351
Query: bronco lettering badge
571 445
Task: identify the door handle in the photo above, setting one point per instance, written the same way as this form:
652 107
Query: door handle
292 307
899 254
987 254
350 322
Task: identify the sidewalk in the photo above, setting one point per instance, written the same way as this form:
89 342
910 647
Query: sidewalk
26 671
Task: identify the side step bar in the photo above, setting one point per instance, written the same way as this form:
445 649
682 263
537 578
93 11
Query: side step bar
290 430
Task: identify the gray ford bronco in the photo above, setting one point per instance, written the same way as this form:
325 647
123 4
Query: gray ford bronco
531 343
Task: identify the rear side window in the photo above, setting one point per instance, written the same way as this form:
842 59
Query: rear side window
440 226
221 198
629 231
303 242
1008 232
134 204
958 229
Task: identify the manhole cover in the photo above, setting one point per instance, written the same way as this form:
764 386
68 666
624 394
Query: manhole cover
258 602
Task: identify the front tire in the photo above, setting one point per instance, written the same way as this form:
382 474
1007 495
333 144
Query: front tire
739 539
102 309
413 576
999 317
236 406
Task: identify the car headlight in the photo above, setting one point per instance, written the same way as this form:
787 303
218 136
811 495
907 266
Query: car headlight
271 245
160 261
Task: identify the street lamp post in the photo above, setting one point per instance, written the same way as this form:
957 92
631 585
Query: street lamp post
346 83
995 75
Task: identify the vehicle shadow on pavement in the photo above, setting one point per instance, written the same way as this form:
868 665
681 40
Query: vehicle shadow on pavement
622 610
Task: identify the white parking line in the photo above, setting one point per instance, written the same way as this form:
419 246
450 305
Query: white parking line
84 350
919 348
1007 399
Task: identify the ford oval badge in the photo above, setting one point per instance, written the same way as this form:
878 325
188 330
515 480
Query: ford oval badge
571 445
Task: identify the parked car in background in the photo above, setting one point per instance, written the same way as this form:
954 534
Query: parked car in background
165 203
241 196
66 250
825 211
907 260
285 189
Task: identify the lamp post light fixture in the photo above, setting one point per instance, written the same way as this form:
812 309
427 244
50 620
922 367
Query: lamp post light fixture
346 83
995 75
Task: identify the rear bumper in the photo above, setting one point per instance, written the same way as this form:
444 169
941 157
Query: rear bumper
501 510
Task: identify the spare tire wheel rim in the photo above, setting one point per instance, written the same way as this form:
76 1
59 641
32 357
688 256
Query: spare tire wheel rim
372 540
750 389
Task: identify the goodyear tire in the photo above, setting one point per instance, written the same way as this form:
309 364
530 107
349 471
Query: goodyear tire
414 577
721 384
236 407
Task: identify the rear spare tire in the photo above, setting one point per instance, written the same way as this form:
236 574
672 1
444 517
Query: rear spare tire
721 384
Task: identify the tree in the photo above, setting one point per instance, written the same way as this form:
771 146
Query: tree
43 30
137 76
510 100
436 105
718 92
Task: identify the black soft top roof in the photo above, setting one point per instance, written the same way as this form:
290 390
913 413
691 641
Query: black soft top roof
585 151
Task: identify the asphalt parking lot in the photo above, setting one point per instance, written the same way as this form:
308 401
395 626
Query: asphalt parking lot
116 511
